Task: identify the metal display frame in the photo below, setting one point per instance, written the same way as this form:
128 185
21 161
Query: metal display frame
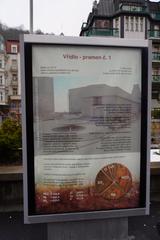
27 41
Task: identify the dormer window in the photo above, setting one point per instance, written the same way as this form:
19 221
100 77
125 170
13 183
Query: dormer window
131 8
13 48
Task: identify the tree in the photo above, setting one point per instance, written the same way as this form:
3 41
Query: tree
38 31
10 141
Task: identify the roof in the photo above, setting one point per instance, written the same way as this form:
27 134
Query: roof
105 7
154 7
109 7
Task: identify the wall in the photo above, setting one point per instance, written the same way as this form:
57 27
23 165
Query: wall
11 192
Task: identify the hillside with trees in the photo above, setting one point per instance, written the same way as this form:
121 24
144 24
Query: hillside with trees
10 142
11 33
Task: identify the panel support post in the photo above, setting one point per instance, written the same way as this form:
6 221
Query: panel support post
105 229
31 16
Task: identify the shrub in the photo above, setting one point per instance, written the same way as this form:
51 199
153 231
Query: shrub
10 141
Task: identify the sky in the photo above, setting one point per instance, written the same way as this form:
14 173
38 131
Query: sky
51 16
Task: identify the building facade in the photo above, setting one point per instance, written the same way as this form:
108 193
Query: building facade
131 19
3 89
13 84
2 72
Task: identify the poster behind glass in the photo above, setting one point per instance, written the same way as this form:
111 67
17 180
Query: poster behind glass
87 125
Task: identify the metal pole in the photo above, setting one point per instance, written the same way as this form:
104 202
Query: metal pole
31 16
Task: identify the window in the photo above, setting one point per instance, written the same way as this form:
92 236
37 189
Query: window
106 24
136 23
1 96
14 62
14 77
131 8
156 27
98 24
102 23
141 24
127 23
155 74
1 46
156 48
136 9
13 105
15 91
1 63
132 24
1 80
116 23
13 48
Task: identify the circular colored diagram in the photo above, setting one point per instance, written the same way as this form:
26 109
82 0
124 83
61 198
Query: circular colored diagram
113 181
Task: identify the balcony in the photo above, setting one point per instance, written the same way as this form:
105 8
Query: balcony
15 97
156 56
156 78
154 33
106 32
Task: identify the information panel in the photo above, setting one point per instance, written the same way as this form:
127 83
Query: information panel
87 129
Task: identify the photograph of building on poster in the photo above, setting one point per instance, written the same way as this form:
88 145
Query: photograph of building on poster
86 134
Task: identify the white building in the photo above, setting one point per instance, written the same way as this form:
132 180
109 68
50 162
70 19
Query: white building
3 97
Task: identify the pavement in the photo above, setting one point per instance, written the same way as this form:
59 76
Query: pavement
146 227
12 228
140 228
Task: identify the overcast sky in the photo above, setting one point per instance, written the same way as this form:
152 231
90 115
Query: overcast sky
54 16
